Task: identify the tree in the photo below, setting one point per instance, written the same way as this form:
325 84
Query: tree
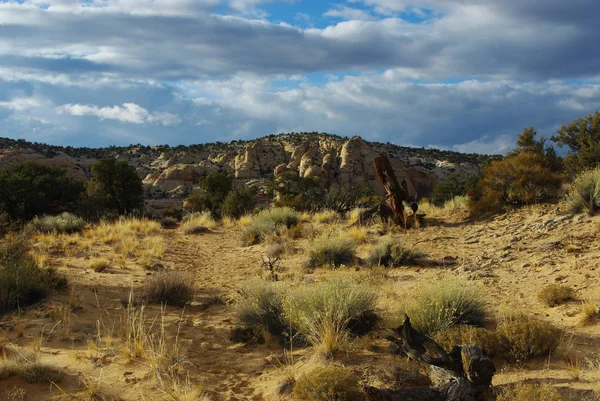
527 142
115 187
239 201
582 137
28 189
447 190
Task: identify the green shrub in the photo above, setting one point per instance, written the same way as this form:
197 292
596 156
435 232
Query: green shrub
529 392
22 282
171 287
526 338
29 189
325 314
268 222
63 223
556 294
331 251
446 304
391 253
584 194
259 308
328 384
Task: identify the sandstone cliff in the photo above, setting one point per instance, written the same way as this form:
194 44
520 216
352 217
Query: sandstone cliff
172 172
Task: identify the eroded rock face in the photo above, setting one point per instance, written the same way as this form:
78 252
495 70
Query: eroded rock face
174 172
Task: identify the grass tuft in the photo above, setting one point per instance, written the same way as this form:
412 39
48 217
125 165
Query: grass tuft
268 222
332 251
328 384
390 253
259 308
171 287
529 392
446 304
556 294
584 194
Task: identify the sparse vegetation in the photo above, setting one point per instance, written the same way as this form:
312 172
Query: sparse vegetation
63 223
198 223
325 314
529 392
22 282
390 253
170 287
328 384
489 340
268 222
26 365
556 294
446 304
331 251
526 338
259 308
584 194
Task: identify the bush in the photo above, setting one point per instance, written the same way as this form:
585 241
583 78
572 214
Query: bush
25 365
526 338
171 287
239 201
390 253
259 308
446 304
30 189
63 223
486 339
326 313
268 222
582 137
556 294
447 190
584 194
331 251
328 384
22 282
529 392
519 180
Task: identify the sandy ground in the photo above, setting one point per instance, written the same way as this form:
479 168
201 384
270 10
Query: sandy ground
512 256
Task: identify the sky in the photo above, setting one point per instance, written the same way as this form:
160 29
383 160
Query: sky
464 75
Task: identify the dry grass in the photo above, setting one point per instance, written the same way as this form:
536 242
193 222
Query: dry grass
389 252
457 205
328 384
25 364
486 339
355 215
525 337
63 223
556 294
259 308
529 392
331 251
325 217
325 314
197 223
99 264
360 235
589 311
170 287
446 304
269 222
584 194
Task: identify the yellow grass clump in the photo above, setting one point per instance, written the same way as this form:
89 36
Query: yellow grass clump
360 235
198 222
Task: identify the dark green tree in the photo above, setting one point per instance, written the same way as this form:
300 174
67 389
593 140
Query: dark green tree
115 187
239 201
582 137
527 142
28 189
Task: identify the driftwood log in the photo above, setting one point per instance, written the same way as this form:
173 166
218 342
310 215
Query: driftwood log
397 204
465 373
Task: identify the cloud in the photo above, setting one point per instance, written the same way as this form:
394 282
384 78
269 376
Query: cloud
127 113
348 13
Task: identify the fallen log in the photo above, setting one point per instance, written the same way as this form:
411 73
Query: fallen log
461 374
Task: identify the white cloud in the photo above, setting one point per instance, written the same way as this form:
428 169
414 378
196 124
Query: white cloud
20 103
127 113
348 13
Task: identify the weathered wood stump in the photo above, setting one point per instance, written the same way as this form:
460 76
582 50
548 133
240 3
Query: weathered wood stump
401 210
465 373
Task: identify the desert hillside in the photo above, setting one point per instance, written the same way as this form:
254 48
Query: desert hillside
109 346
173 172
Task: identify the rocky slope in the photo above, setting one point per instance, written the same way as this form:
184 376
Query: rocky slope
171 172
